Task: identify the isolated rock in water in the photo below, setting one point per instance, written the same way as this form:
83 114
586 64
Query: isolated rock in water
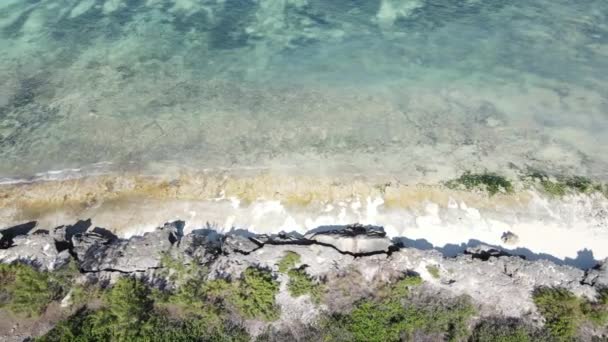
36 249
354 239
235 243
485 252
509 238
137 254
598 276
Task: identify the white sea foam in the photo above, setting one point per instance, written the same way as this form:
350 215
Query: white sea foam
568 229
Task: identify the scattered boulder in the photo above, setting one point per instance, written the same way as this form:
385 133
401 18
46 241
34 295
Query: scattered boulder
282 238
485 252
203 246
598 276
509 238
37 250
353 239
105 233
138 254
237 243
7 235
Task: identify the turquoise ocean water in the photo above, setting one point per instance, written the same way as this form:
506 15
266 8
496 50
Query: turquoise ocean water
413 88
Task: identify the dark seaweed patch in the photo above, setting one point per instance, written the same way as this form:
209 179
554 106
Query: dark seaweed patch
197 22
230 33
492 182
14 29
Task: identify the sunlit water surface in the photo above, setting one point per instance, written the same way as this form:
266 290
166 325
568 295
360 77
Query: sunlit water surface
415 89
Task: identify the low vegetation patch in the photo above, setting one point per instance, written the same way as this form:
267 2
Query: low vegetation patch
491 182
394 316
203 309
255 295
564 312
289 261
299 283
433 271
26 291
597 311
252 296
129 314
496 329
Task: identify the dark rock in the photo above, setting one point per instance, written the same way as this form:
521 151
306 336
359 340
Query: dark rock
35 249
203 246
138 254
282 238
598 276
485 252
236 243
77 228
7 235
353 239
105 233
509 238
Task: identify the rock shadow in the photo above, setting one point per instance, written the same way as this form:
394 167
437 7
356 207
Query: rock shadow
7 235
584 259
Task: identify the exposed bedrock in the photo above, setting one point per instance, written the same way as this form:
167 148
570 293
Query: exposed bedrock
500 283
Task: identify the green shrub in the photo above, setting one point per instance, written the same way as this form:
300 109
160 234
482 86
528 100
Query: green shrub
7 278
564 312
399 289
217 289
255 295
87 326
27 291
194 295
561 310
177 270
498 329
193 329
451 317
288 261
371 321
597 311
126 316
491 182
129 304
300 283
130 314
394 316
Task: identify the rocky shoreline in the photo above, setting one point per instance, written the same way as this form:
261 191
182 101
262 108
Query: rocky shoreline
498 284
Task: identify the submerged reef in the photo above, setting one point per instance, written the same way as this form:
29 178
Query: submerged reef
80 282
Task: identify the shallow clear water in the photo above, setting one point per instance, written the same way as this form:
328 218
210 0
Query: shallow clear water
410 88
